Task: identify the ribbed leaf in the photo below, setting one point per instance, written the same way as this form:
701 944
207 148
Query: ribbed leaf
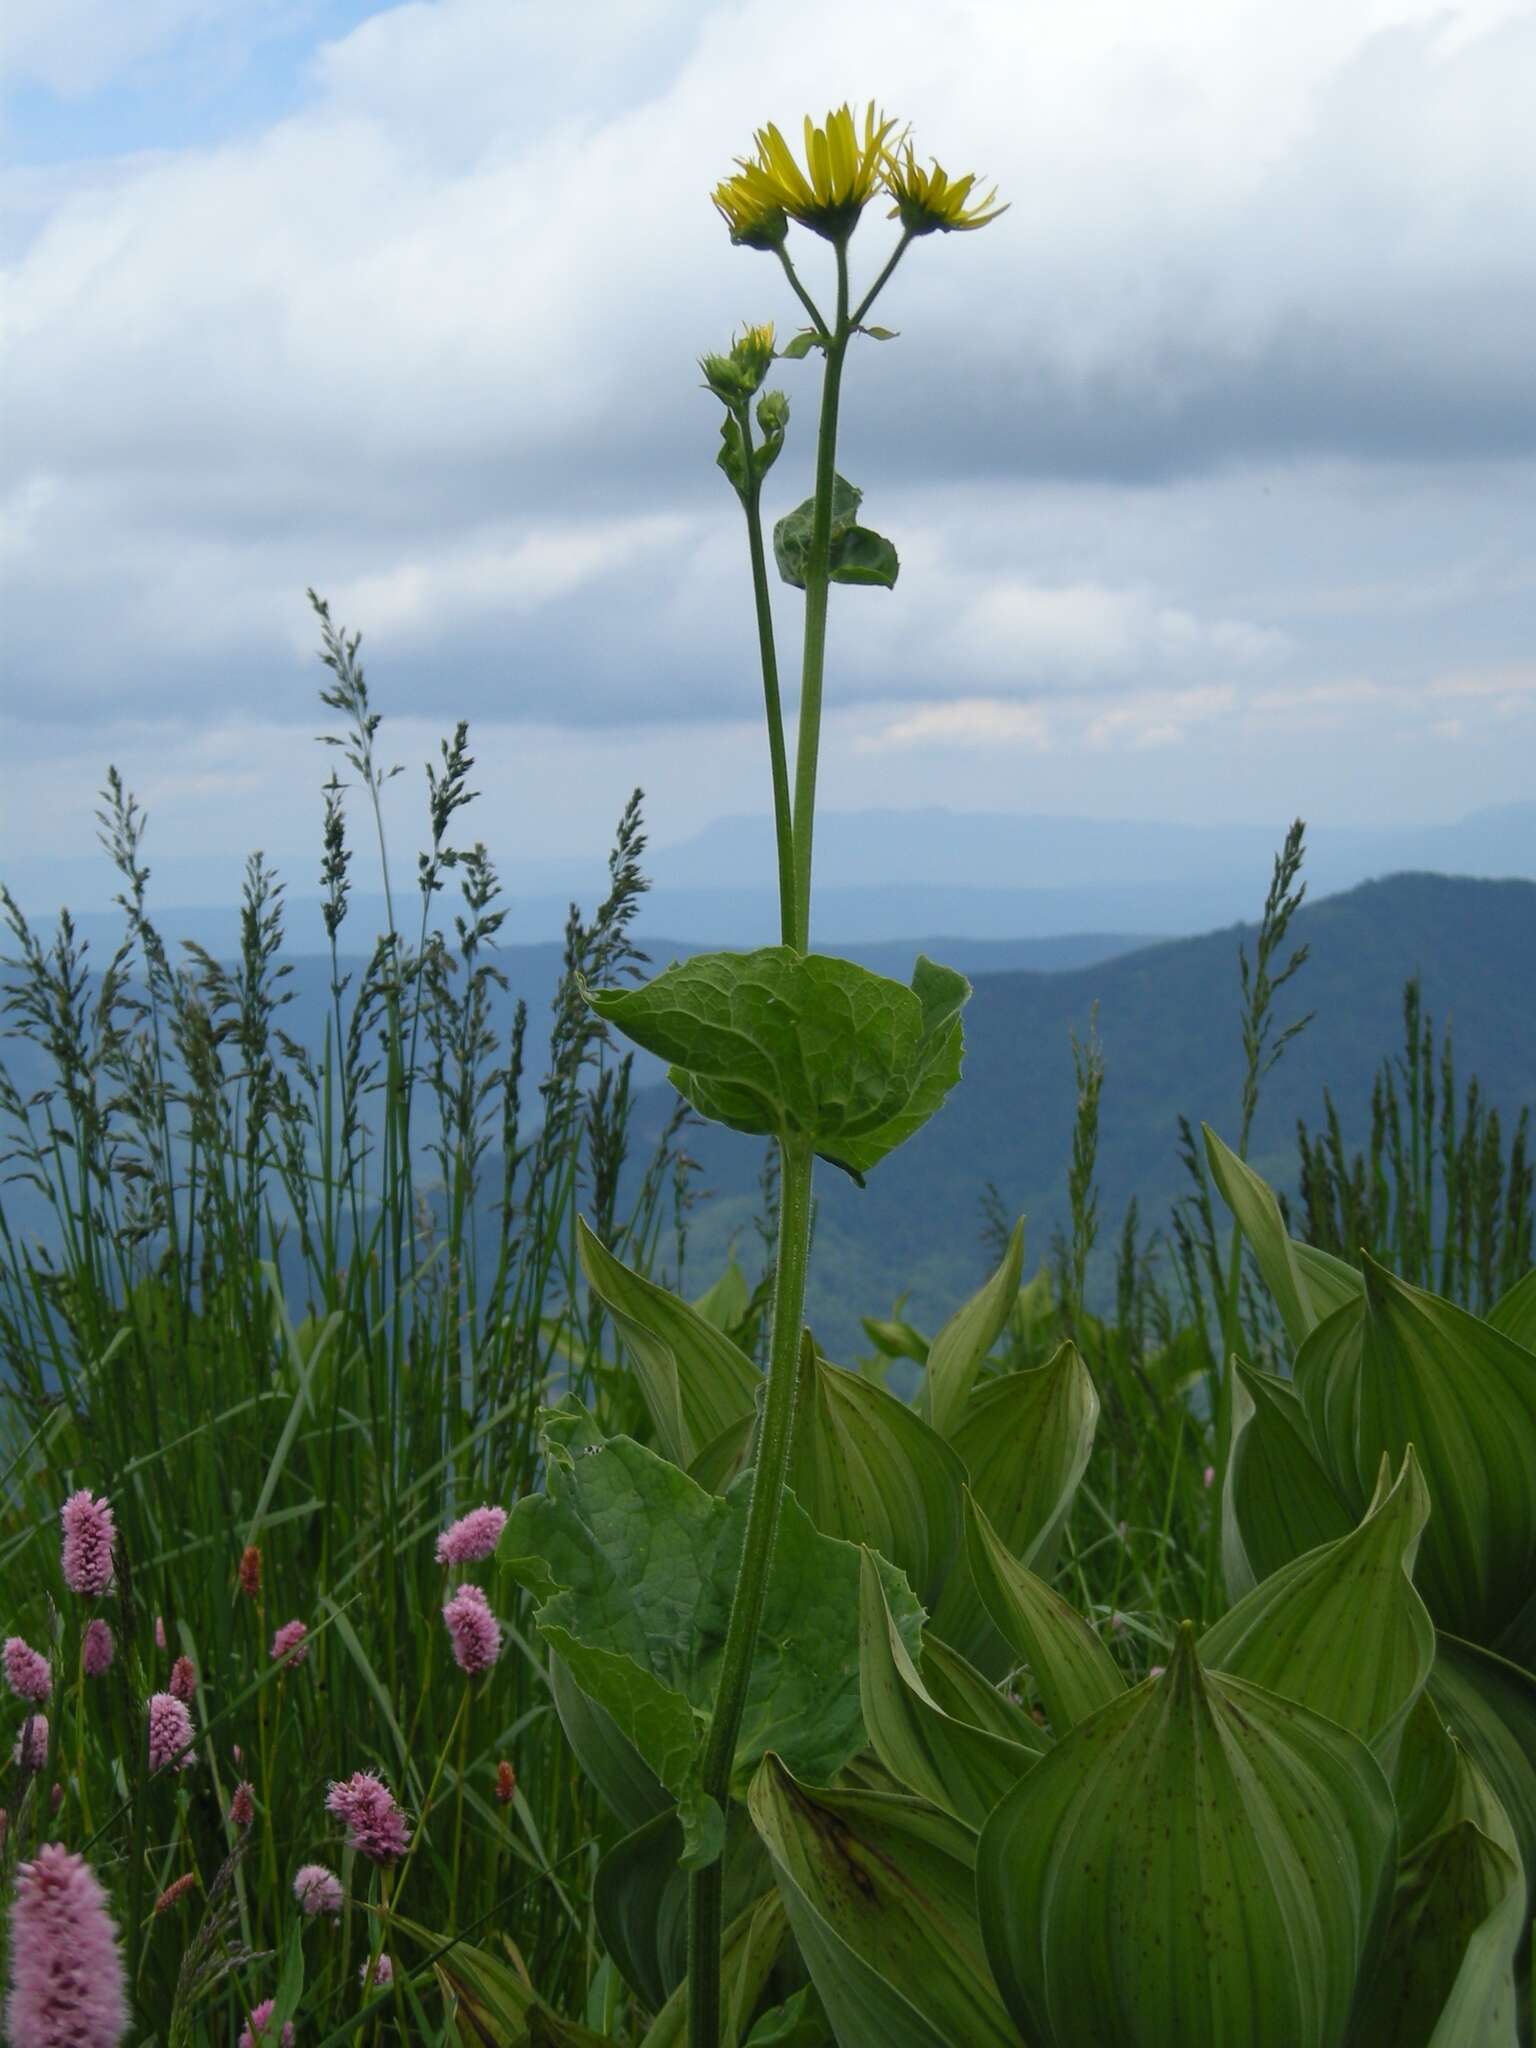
955 1355
1425 1777
748 1953
1277 1502
618 1770
880 1893
1307 1285
964 1770
866 1467
1342 1630
641 1899
694 1380
1491 1708
1406 1367
1514 1313
961 1691
1073 1672
1200 1864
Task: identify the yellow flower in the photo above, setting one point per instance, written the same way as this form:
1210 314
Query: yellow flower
926 200
842 175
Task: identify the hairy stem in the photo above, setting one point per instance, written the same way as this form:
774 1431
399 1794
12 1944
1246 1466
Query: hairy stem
783 823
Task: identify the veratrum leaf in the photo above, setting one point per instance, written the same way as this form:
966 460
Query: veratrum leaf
1201 1863
1073 1672
1406 1367
635 1567
959 1690
694 1380
1278 1502
641 1899
791 1046
880 1893
1026 1439
1514 1313
1307 1285
1491 1707
963 1769
748 1953
955 1355
1342 1630
864 1466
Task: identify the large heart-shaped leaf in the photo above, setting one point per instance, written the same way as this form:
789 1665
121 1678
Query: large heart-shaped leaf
1073 1672
954 1358
1277 1500
1406 1367
880 1893
1200 1863
635 1569
695 1382
865 1466
950 1763
802 1046
1306 1284
1342 1629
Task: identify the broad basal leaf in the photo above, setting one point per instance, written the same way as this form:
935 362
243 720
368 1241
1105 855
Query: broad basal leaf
880 1893
618 1770
1406 1367
1307 1285
1341 1630
796 1046
1073 1672
954 1357
635 1568
1277 1501
1199 1863
695 1381
865 1466
953 1765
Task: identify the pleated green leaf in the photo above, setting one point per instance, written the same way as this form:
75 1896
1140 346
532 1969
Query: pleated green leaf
961 1691
1514 1313
953 1765
956 1353
1201 1863
1277 1501
694 1380
1341 1630
1025 1439
748 1953
1307 1285
1490 1705
1406 1367
866 1467
1073 1672
1425 1777
618 1770
640 1899
880 1894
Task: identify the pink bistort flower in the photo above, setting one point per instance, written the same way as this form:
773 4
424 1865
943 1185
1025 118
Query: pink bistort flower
289 1643
159 1631
31 1750
381 1973
376 1827
27 1671
89 1533
475 1630
254 2033
183 1681
317 1889
473 1536
242 1805
66 1969
170 1731
96 1648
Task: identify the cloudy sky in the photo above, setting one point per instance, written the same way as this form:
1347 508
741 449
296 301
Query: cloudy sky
1212 464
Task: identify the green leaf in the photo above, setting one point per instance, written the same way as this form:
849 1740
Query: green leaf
800 345
694 1380
895 1337
623 1777
955 1355
1425 1776
797 1047
1200 1863
865 1467
960 1768
880 333
748 1953
1491 1707
1307 1285
1277 1500
863 556
959 1690
1073 1672
640 1899
792 534
1405 1367
880 1893
1514 1313
721 1462
1447 1974
1341 1630
635 1568
730 456
799 2023
724 1304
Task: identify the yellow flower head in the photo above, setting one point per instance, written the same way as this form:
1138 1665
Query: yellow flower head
756 220
926 200
841 176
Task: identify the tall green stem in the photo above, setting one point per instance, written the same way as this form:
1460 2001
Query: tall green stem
796 1164
783 824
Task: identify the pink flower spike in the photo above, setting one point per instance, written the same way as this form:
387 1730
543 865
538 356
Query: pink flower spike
242 1805
27 1671
96 1648
475 1630
472 1537
317 1889
183 1682
289 1644
382 1973
170 1732
254 2034
1208 1477
66 1970
31 1750
89 1534
159 1631
376 1827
